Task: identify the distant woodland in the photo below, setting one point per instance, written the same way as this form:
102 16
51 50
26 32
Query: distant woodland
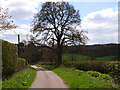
33 53
99 50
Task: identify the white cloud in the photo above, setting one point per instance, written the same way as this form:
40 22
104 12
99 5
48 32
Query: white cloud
11 35
21 14
25 26
23 9
102 26
103 16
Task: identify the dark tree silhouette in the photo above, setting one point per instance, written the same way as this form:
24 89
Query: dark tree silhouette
55 26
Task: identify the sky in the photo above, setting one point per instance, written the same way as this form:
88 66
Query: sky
98 17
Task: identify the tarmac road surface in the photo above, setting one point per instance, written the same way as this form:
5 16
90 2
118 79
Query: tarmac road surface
47 79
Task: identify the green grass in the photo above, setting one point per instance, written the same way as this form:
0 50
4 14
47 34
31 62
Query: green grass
107 58
78 57
81 79
22 79
75 57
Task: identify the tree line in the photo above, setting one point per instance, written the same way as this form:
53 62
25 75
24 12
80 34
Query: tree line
34 54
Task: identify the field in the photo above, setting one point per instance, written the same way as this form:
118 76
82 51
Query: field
107 58
78 57
23 79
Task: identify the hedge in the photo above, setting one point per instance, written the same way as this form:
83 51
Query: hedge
89 65
10 61
100 66
111 68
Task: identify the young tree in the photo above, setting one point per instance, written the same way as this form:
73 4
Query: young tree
55 26
5 20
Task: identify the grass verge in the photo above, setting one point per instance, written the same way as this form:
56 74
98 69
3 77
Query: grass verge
81 79
22 79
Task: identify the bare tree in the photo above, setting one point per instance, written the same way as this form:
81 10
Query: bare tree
55 26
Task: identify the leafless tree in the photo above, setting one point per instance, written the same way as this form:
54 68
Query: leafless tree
56 25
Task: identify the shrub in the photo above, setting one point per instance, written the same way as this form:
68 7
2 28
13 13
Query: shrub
99 75
79 72
93 73
114 67
114 70
21 64
104 76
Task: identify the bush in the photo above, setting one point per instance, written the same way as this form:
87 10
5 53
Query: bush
114 70
21 64
93 73
99 75
114 67
104 76
10 61
79 72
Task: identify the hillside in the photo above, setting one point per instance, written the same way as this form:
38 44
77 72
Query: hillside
99 50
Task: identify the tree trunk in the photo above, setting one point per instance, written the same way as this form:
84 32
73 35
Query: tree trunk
59 59
59 56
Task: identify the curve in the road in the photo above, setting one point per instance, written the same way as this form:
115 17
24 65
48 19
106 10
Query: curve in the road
47 79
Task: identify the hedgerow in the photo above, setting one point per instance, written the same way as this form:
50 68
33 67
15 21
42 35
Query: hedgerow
10 61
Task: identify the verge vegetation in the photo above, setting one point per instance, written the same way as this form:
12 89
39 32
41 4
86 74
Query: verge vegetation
93 68
22 79
81 79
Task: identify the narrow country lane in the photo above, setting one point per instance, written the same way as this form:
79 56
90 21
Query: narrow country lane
47 79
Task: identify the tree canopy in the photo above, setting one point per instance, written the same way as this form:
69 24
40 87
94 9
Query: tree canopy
56 25
5 20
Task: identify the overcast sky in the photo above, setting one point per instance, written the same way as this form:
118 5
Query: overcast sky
99 19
